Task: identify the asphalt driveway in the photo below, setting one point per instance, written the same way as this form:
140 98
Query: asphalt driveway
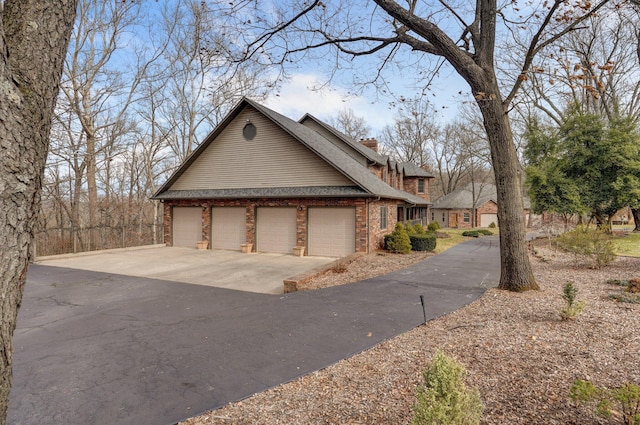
263 273
98 348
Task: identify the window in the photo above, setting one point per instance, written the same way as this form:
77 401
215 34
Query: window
466 218
249 131
420 185
443 217
433 216
383 218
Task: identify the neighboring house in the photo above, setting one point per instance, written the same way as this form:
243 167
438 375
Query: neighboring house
457 208
262 180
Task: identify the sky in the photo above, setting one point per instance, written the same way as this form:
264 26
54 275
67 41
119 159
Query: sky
298 97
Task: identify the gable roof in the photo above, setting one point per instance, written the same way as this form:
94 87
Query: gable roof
365 151
365 182
463 198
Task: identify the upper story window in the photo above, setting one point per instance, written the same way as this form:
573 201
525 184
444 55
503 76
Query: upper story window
420 185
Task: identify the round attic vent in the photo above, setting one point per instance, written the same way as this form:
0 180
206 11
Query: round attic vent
249 131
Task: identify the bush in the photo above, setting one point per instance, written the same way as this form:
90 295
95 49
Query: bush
573 307
627 397
398 241
485 232
426 242
443 398
433 226
492 225
594 244
409 228
471 233
420 230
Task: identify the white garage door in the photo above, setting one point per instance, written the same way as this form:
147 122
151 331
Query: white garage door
229 227
332 231
487 219
276 229
187 226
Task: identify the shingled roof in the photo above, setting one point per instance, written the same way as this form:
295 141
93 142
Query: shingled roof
463 198
365 182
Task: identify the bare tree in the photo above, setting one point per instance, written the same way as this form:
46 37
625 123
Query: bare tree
33 42
463 35
354 126
413 131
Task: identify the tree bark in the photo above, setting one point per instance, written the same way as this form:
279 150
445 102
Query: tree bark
636 218
515 269
34 39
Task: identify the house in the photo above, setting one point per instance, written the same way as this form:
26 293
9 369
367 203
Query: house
269 183
456 209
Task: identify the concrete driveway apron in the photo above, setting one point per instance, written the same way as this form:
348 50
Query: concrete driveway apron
94 348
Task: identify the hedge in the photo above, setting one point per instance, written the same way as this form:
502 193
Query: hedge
426 242
423 242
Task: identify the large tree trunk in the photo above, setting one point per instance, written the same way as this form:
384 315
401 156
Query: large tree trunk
515 269
636 218
34 39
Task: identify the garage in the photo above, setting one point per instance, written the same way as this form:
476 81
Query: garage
332 231
276 229
487 219
187 226
228 225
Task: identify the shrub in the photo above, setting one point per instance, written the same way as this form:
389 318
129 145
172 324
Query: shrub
573 307
625 297
492 225
409 228
433 226
593 244
398 241
426 242
627 397
420 230
485 232
471 233
443 398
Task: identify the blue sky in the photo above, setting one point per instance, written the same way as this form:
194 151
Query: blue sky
297 97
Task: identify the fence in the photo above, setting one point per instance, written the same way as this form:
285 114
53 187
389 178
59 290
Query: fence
69 240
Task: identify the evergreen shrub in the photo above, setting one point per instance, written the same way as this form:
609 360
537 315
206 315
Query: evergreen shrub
425 242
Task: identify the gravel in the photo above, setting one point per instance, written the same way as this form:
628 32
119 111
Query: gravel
517 351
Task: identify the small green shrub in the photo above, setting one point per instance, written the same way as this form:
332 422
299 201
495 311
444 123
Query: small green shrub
433 226
426 242
617 282
471 233
593 244
492 225
420 230
627 397
485 232
625 297
398 241
573 307
443 398
409 228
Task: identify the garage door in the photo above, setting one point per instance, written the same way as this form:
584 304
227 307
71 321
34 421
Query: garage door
229 228
487 219
276 229
187 226
332 231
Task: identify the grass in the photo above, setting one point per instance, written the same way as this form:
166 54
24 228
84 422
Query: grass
628 245
442 244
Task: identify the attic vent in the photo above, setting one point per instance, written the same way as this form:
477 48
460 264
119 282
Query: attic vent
249 131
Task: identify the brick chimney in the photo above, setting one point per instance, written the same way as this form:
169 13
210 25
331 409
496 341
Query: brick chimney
371 143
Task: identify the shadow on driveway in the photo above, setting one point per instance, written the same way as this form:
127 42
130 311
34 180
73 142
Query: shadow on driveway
94 348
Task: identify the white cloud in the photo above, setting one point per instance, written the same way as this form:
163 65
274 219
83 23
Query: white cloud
303 93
